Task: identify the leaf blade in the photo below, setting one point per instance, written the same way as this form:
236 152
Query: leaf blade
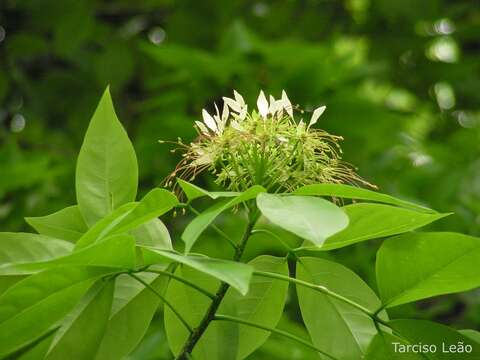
117 251
444 263
155 203
104 226
196 227
107 171
263 304
66 224
235 274
27 247
353 192
342 330
193 191
311 218
371 221
428 332
130 322
84 333
52 294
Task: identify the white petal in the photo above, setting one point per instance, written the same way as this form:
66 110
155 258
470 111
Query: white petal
225 113
279 107
233 104
202 127
209 121
316 114
262 104
272 108
220 124
287 105
238 98
218 120
243 113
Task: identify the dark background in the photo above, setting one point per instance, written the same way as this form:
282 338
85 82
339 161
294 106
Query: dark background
400 78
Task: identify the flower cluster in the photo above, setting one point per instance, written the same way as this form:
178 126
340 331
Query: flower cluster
263 147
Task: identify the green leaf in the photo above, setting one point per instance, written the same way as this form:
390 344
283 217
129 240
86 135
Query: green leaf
195 228
153 233
263 304
157 202
383 347
472 334
104 226
193 191
308 217
427 332
8 281
129 322
130 216
25 247
334 326
66 224
32 306
107 172
372 221
235 274
353 192
38 350
82 335
117 251
192 305
420 265
278 348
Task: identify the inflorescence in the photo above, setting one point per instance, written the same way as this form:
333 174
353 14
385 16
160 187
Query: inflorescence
265 147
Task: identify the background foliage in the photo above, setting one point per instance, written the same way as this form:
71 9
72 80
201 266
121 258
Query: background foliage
401 81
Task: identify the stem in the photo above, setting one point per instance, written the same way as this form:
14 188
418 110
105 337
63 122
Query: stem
215 228
165 301
182 280
222 290
323 290
274 331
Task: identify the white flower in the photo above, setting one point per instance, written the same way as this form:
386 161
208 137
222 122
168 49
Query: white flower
234 113
316 114
221 120
202 127
276 107
225 113
215 123
209 121
239 98
262 104
237 105
287 105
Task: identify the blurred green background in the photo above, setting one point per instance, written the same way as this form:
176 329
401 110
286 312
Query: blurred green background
400 78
